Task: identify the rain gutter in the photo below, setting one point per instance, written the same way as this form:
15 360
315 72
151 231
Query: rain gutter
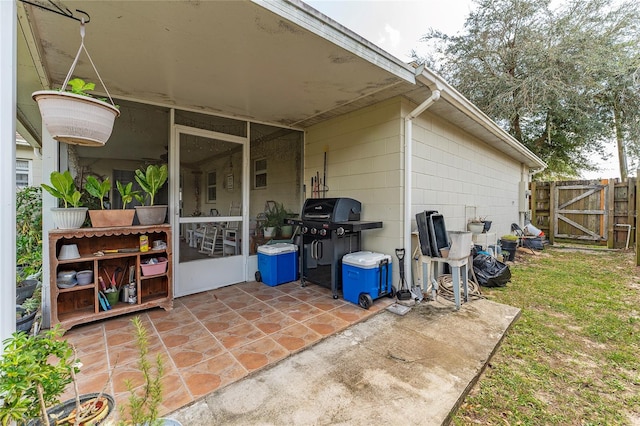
408 163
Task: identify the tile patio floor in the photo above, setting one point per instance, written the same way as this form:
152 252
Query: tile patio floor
212 339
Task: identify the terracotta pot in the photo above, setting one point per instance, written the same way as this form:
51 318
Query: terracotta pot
151 215
108 218
76 119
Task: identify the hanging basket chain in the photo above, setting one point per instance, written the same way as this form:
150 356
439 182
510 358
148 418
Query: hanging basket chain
75 61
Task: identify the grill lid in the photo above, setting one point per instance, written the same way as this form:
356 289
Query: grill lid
331 209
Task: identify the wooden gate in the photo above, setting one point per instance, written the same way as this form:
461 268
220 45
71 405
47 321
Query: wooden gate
580 211
591 211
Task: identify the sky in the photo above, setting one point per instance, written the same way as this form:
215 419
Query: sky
397 25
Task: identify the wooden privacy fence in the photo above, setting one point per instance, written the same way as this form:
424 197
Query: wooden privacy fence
589 211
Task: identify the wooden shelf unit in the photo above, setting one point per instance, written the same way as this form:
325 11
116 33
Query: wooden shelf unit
80 304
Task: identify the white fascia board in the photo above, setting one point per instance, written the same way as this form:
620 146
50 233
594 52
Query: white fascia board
312 20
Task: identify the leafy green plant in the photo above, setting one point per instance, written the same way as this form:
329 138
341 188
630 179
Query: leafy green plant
28 232
34 371
98 189
126 193
142 407
33 303
151 180
275 216
64 188
80 87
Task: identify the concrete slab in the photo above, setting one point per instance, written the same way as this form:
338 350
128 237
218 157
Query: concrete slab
411 370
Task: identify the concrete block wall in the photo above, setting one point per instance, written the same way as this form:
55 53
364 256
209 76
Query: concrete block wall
364 162
457 174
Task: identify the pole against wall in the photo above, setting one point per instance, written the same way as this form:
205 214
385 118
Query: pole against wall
8 84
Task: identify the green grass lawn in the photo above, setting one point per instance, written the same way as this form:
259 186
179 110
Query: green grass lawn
573 357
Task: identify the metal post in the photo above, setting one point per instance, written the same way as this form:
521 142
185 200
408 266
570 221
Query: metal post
8 83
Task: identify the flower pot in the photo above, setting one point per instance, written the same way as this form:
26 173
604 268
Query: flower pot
286 231
269 232
25 289
112 297
70 218
24 321
108 218
64 409
151 215
76 119
476 227
509 246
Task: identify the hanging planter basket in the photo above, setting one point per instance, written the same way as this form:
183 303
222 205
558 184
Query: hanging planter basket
77 118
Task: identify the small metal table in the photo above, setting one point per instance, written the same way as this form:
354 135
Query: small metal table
459 269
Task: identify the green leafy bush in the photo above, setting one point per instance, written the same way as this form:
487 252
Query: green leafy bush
28 231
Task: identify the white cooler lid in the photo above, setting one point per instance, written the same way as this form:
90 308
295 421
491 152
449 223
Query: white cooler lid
277 248
364 259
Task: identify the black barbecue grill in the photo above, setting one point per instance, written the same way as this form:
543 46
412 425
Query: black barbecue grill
330 229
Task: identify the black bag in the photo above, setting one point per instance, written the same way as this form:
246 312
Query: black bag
490 272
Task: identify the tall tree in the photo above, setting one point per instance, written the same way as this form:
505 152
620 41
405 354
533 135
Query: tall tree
561 81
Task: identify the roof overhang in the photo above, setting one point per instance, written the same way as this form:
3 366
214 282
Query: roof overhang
278 62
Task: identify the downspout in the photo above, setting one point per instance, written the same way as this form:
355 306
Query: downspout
408 170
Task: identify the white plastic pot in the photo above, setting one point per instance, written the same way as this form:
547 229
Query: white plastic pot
70 218
76 119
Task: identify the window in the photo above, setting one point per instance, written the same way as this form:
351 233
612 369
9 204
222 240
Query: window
23 173
212 187
260 173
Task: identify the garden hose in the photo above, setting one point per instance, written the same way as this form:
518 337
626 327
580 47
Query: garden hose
445 287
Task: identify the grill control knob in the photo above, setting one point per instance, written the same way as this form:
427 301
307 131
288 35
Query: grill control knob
305 229
340 231
314 231
322 232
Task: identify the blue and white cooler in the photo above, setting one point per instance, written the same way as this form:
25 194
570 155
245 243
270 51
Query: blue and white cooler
277 263
366 276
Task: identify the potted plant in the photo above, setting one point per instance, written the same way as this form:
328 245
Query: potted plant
142 407
63 187
509 245
476 225
34 372
274 219
104 218
28 239
151 180
74 116
27 309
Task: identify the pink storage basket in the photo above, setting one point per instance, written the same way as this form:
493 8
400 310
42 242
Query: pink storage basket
155 268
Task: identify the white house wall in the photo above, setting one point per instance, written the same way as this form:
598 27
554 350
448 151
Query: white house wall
453 172
27 152
457 174
364 160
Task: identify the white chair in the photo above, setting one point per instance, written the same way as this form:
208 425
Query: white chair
210 239
231 240
194 236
